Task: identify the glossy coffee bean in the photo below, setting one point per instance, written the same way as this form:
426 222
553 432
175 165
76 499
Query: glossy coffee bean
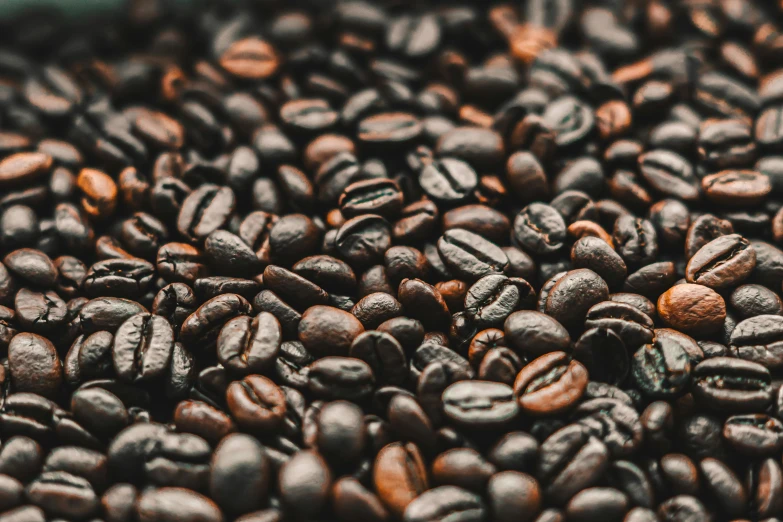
723 262
256 403
731 384
693 309
550 384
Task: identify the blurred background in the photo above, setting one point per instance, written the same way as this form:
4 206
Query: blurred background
75 10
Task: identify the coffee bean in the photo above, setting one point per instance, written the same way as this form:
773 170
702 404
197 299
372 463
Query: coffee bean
305 497
256 403
479 404
732 384
340 378
248 345
670 174
169 504
736 187
239 464
539 229
143 347
535 333
448 180
203 326
572 295
549 384
34 365
722 262
445 502
470 255
694 309
204 211
399 476
756 340
661 368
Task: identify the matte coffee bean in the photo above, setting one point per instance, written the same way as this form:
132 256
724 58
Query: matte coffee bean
752 300
670 174
635 240
571 460
306 497
169 504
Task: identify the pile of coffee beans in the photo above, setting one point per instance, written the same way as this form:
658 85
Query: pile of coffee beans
393 261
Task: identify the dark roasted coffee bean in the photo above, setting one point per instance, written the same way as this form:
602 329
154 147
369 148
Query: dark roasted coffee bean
757 339
444 502
604 355
248 345
534 334
377 196
448 180
325 330
256 403
480 404
539 229
169 504
204 211
202 327
470 255
572 295
142 348
384 354
636 240
754 434
661 368
118 278
571 460
304 483
34 365
239 464
340 378
729 384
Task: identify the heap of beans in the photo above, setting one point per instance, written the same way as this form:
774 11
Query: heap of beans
394 260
